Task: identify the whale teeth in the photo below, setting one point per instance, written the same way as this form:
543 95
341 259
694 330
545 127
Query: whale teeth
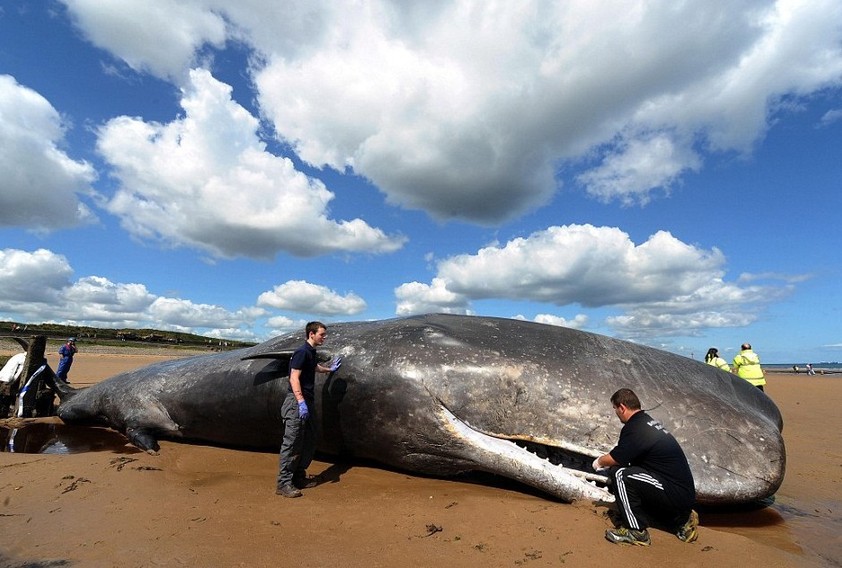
556 456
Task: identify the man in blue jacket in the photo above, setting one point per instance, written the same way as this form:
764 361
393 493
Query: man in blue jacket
66 353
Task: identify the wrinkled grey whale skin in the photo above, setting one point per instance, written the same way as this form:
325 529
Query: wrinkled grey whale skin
444 394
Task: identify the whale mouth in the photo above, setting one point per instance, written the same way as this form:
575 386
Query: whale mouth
577 462
561 471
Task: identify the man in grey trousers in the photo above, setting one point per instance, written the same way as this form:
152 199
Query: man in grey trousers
297 412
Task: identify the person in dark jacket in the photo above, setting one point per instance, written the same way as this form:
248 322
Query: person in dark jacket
651 478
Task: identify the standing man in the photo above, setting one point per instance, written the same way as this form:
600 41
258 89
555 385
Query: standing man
747 366
298 413
66 353
651 477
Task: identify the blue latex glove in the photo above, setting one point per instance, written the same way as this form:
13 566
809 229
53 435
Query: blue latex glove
335 364
303 411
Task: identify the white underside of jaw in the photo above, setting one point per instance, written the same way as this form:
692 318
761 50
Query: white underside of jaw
503 457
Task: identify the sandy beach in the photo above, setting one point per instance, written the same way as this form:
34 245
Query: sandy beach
196 505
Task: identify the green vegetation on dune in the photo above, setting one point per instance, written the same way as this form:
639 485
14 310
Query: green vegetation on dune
117 338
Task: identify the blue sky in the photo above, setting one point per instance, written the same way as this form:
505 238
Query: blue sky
668 174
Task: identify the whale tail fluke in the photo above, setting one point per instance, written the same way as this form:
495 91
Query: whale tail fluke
38 383
31 391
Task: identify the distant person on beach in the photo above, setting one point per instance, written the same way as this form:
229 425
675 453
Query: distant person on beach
810 370
713 359
747 366
66 353
650 476
298 413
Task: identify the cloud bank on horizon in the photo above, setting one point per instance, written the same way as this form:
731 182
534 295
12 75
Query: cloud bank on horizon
479 113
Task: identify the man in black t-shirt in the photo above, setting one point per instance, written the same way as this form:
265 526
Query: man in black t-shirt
651 478
298 413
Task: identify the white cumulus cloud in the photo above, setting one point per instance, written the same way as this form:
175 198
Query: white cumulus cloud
473 110
37 286
579 321
419 298
632 171
207 181
160 37
305 297
32 277
41 184
592 266
663 285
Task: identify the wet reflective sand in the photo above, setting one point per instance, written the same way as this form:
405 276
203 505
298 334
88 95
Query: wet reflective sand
58 438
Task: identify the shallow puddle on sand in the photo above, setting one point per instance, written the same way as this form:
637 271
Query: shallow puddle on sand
42 438
812 529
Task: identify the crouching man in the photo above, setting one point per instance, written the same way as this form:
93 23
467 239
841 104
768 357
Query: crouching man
652 481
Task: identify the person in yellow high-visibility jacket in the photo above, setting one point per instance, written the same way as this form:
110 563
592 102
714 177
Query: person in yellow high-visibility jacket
747 366
713 359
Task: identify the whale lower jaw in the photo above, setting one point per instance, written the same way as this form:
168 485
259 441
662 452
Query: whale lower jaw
506 458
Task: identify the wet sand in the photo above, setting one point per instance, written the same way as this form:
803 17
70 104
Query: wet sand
196 505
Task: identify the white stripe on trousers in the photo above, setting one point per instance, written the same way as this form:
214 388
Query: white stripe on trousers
624 497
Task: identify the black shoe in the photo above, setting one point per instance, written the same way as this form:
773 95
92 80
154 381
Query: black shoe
288 491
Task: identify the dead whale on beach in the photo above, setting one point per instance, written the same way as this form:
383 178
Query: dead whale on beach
445 394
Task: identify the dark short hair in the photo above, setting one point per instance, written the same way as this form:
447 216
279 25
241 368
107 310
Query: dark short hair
627 398
313 327
746 346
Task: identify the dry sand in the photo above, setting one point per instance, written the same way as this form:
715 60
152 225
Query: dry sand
205 506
